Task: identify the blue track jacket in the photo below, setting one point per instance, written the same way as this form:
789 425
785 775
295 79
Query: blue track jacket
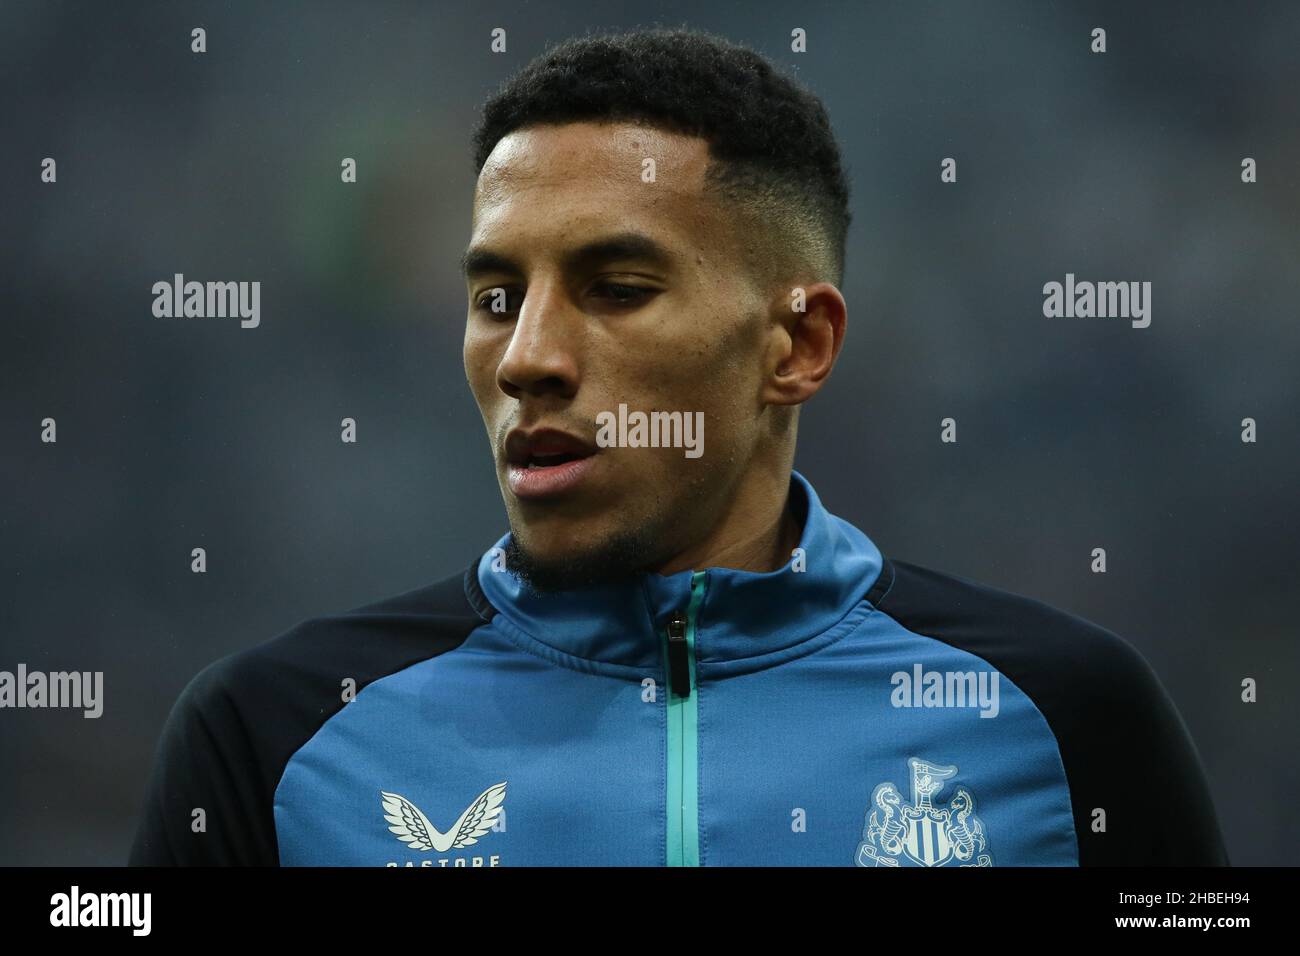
847 709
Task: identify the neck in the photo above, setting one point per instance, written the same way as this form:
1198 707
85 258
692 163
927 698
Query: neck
757 532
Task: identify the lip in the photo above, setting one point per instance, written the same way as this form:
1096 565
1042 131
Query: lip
533 483
539 483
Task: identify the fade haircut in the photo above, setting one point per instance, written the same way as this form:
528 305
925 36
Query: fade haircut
773 155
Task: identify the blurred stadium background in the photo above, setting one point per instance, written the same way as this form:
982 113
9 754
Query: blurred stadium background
1074 433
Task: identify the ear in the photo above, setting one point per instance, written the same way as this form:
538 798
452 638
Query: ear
804 344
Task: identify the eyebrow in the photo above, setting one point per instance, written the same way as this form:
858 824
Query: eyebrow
619 247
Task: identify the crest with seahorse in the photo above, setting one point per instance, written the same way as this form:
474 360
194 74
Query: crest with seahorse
919 831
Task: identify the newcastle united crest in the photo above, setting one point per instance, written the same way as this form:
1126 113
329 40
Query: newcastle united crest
920 832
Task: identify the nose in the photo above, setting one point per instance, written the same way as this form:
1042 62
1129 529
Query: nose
541 358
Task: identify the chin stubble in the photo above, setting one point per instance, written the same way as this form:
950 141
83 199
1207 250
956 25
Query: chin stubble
613 561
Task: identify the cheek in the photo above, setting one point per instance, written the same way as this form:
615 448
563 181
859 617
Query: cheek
480 373
714 386
480 359
726 389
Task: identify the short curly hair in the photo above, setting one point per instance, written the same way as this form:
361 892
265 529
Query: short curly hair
772 151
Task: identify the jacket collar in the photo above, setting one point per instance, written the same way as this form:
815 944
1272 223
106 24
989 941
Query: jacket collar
743 616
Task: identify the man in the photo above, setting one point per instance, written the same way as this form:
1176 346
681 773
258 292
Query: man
677 655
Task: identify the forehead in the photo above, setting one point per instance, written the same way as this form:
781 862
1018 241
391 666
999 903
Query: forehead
543 183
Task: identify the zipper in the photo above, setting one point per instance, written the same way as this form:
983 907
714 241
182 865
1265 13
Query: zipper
683 812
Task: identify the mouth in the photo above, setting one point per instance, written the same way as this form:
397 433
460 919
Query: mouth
546 463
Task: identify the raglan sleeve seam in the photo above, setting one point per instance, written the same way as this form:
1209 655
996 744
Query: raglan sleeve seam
1133 746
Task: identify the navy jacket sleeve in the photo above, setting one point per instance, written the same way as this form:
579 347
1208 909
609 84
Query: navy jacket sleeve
1138 791
225 745
206 805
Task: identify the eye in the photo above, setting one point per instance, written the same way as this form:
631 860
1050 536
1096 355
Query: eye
623 294
489 298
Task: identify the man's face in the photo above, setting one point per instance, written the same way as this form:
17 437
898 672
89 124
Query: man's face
615 290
